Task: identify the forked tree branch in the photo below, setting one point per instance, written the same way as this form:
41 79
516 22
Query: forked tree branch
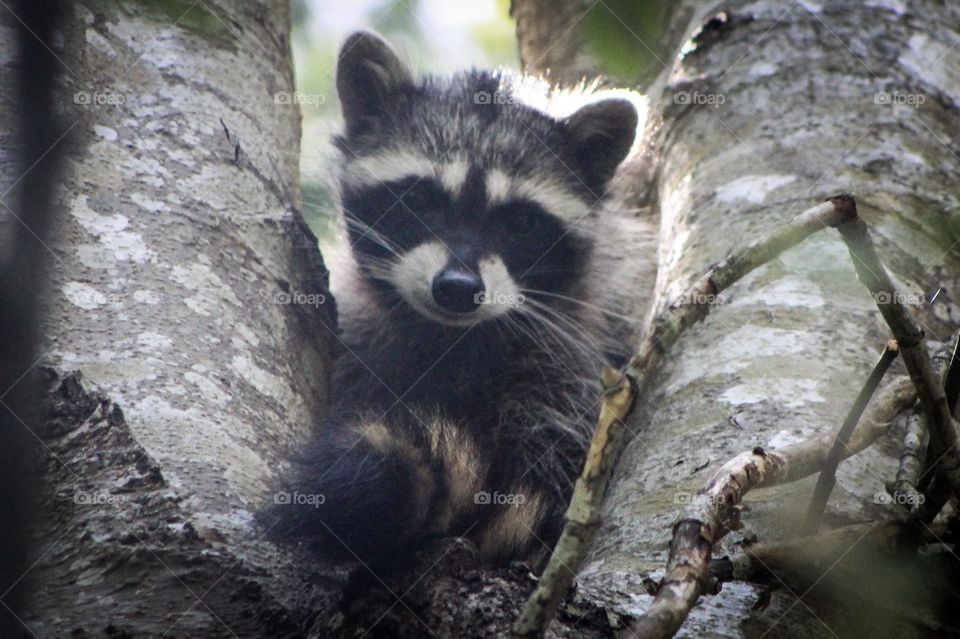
716 508
944 441
582 519
694 536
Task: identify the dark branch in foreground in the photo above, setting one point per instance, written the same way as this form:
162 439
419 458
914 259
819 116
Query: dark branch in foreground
828 475
944 442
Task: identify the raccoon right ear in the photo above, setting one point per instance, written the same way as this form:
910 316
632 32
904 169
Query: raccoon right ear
602 133
369 72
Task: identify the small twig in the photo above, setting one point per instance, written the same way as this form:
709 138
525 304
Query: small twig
716 508
904 489
944 441
828 475
583 517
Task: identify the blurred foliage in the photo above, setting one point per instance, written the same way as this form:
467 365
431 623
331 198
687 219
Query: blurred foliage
498 38
318 208
397 17
623 35
205 20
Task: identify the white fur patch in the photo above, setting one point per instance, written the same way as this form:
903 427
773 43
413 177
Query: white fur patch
552 197
501 293
453 175
387 166
390 166
412 275
498 186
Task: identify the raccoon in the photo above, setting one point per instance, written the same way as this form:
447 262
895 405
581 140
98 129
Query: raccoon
492 275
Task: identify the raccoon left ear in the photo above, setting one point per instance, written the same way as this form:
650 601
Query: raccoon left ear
369 75
602 134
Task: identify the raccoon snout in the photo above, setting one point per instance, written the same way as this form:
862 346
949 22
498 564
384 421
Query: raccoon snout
457 290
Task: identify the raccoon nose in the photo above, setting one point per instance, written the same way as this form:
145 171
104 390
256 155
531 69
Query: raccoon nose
457 290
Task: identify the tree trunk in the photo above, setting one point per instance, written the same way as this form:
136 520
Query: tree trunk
189 325
772 108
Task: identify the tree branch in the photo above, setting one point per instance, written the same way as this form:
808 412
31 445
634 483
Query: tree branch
944 441
716 508
827 478
583 516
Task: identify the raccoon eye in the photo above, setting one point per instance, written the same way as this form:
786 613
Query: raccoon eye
416 200
523 222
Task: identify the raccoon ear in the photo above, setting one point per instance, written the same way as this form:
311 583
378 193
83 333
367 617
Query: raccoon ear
368 74
602 133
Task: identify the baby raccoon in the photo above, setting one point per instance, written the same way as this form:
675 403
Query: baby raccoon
492 279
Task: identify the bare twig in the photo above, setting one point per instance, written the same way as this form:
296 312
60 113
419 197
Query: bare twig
583 517
904 489
913 349
716 508
828 474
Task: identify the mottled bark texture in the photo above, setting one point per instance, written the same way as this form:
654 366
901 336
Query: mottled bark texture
774 106
186 341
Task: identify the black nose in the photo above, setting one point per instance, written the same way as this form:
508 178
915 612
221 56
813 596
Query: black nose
457 289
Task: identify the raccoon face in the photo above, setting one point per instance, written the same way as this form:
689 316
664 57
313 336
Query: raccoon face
460 204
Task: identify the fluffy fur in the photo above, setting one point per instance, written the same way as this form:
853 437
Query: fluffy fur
472 421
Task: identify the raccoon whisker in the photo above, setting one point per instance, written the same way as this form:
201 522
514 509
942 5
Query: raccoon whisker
567 343
525 330
576 329
605 311
374 235
567 338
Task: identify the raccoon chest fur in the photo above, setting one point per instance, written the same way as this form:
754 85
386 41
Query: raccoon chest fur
486 253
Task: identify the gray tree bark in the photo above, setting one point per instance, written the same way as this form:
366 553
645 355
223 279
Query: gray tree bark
771 108
189 326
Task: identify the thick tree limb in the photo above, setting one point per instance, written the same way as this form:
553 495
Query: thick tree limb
687 571
583 517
